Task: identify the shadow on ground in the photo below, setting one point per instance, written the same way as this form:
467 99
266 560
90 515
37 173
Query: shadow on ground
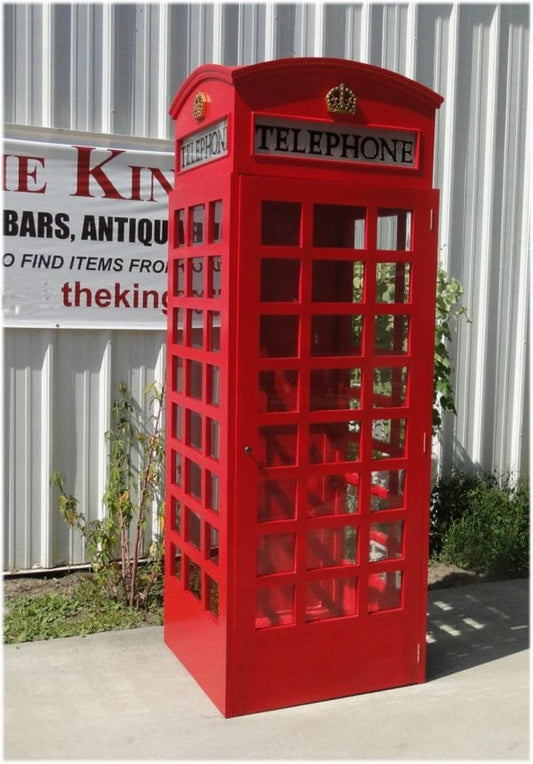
472 625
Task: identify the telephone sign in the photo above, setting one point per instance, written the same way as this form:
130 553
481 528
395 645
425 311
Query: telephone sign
311 140
204 146
301 304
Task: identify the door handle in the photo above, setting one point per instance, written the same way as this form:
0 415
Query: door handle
248 450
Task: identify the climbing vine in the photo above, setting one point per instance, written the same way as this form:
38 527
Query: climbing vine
449 309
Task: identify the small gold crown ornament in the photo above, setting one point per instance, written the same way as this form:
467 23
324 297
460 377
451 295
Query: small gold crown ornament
341 100
199 105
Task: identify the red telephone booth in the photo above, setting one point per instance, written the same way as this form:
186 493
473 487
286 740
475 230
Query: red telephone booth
302 267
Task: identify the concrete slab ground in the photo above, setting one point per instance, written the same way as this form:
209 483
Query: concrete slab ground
123 695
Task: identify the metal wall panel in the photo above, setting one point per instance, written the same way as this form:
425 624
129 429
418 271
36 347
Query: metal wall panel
58 391
114 68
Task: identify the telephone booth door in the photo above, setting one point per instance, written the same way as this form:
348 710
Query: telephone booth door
334 374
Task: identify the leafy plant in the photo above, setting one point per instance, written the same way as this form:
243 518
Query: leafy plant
481 523
448 309
449 499
393 284
133 492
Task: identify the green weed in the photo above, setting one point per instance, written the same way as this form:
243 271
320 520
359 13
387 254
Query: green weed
85 610
116 544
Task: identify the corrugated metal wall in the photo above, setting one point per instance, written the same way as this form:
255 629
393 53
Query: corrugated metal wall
59 388
114 68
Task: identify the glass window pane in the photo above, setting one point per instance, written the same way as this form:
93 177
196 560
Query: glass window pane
215 276
387 489
196 328
193 581
327 547
332 598
177 376
179 278
333 495
334 442
213 597
386 541
275 553
194 386
213 385
280 223
177 421
335 389
274 607
194 429
276 500
177 460
280 280
388 438
337 225
177 325
179 228
176 561
336 335
198 224
194 529
393 282
214 331
196 277
394 229
194 479
176 515
213 430
278 390
278 445
214 543
212 491
337 281
279 336
385 591
390 387
392 334
216 220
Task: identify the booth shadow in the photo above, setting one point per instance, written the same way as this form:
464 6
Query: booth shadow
471 625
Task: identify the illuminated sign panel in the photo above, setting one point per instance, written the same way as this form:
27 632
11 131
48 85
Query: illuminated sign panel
319 140
204 146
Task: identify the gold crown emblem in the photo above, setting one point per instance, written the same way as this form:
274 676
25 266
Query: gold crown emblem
341 100
199 105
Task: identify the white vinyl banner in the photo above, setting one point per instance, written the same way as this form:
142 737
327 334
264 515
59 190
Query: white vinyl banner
85 231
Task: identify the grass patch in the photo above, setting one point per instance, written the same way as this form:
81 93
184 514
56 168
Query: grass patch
80 610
